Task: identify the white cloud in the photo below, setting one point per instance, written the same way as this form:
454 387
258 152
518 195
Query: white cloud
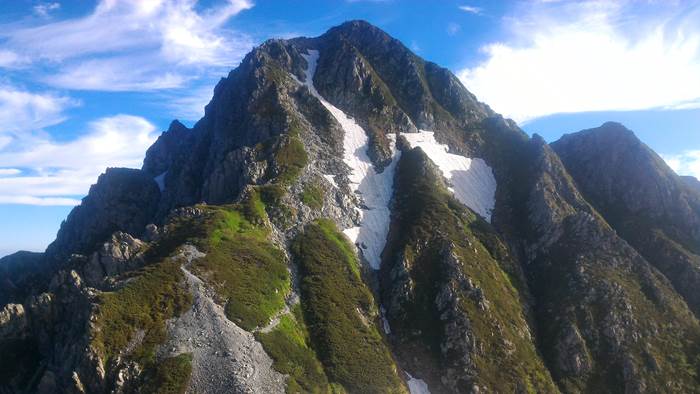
116 74
9 59
686 163
590 56
131 44
22 112
9 171
471 9
43 201
44 9
190 105
57 172
690 104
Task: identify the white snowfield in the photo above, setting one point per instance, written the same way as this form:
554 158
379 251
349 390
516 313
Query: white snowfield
375 189
470 180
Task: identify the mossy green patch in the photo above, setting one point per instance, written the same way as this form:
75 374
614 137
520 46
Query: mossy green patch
312 195
170 376
271 194
248 272
286 159
143 305
285 155
132 318
290 158
340 312
340 243
253 208
288 345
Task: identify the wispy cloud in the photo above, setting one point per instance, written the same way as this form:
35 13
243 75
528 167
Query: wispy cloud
471 9
9 171
689 104
189 105
58 173
116 74
590 56
128 44
23 112
9 59
686 163
167 46
44 9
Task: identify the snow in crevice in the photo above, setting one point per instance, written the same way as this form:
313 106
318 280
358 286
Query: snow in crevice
385 321
331 179
470 180
160 180
375 189
417 386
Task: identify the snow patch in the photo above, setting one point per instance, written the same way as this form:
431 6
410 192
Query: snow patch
417 386
160 180
375 189
470 180
331 179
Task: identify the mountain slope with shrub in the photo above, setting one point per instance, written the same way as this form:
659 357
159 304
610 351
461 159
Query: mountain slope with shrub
241 257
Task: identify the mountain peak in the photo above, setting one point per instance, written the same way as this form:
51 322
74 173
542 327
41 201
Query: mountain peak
347 216
609 133
358 26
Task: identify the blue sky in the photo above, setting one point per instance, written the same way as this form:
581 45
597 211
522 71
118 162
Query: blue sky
86 85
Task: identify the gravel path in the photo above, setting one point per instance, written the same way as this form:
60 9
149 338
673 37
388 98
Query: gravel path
226 358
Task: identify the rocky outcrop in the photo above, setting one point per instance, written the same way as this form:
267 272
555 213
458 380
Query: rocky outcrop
573 286
608 309
73 361
431 96
459 342
13 322
692 181
20 273
168 149
443 287
621 176
642 198
120 254
121 200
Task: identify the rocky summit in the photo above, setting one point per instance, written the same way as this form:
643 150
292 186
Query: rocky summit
348 218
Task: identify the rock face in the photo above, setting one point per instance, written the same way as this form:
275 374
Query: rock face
583 280
456 320
121 200
13 322
19 273
164 152
603 311
642 198
117 256
692 181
